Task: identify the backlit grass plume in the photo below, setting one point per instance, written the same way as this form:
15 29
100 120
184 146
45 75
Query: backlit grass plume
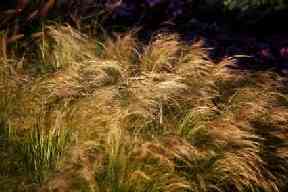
155 117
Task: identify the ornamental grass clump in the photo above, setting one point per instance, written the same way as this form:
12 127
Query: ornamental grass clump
142 117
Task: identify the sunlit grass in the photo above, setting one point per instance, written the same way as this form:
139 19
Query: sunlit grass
166 118
42 150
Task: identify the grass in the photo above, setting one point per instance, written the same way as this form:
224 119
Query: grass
131 117
41 151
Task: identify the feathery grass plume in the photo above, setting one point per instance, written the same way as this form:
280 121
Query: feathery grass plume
83 79
124 170
195 57
118 172
181 123
10 82
246 95
249 100
122 49
225 136
159 97
272 126
232 165
194 62
186 166
194 124
33 157
198 73
61 47
160 54
40 98
102 109
140 123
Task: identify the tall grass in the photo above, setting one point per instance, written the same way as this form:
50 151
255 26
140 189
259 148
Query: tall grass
33 138
166 118
42 150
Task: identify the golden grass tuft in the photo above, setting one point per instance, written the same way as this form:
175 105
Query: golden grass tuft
167 119
160 54
122 49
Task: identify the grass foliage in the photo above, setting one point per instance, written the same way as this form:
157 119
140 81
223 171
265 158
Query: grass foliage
156 117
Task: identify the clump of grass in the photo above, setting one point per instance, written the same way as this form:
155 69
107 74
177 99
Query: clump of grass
160 55
180 122
121 48
113 174
42 149
124 168
31 123
61 47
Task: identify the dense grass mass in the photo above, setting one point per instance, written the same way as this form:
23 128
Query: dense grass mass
121 116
